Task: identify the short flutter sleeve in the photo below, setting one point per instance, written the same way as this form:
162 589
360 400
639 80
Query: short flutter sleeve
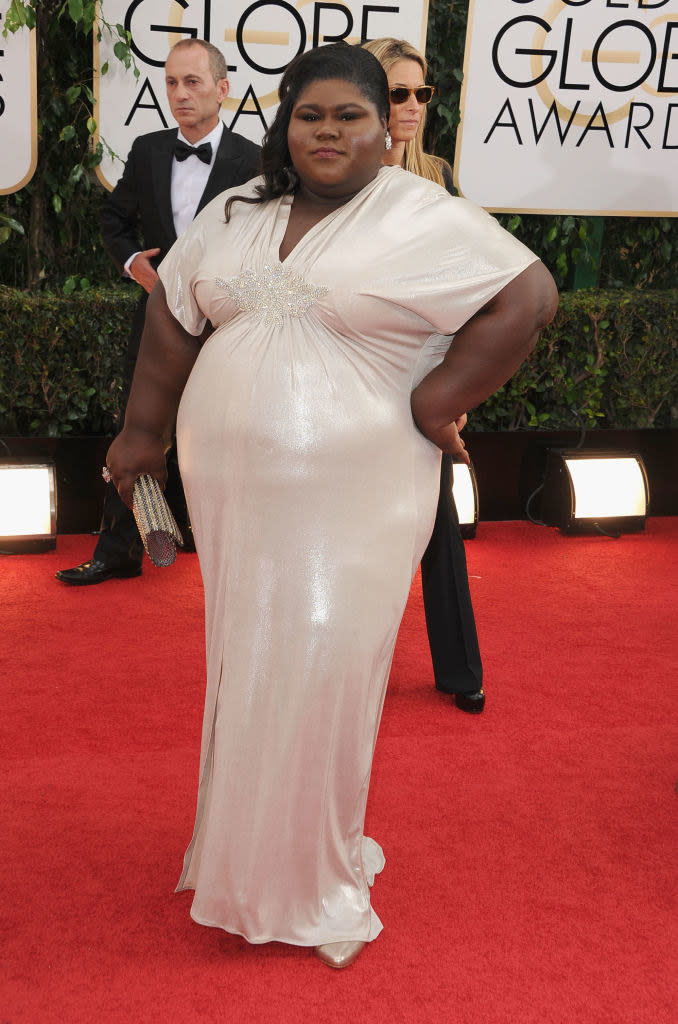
178 273
449 257
183 267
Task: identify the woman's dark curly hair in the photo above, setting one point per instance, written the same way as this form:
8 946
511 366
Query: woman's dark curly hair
336 60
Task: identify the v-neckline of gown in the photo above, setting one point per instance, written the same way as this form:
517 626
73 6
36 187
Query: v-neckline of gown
285 208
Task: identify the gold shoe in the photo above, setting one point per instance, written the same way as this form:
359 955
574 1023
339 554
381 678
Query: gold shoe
339 954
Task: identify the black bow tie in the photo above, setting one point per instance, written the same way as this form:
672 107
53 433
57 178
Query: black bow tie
203 151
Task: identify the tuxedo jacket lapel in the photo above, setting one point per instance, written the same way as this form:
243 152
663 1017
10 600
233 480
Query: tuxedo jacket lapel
161 175
227 169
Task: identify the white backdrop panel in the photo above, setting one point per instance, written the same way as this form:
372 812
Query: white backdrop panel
571 106
18 107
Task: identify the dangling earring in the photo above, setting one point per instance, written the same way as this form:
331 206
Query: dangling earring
388 142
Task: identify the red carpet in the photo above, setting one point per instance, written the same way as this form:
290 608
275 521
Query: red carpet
531 851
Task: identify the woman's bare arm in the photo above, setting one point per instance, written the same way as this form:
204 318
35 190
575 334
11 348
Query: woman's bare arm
485 352
166 357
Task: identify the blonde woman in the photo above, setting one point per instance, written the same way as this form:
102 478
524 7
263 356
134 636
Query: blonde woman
450 623
410 94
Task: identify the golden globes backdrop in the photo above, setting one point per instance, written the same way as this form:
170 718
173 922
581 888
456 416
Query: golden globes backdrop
570 106
258 40
18 107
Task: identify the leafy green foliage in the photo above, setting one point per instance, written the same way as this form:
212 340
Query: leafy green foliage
61 360
640 251
49 230
609 359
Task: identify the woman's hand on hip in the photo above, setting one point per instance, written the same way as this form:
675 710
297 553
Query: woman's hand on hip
449 440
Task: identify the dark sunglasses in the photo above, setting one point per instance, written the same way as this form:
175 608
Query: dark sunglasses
399 94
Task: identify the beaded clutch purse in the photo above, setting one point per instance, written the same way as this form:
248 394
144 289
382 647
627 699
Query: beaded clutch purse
156 524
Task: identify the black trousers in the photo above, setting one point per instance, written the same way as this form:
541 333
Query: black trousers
450 622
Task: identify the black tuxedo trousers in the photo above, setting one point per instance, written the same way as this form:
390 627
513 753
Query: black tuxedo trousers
450 622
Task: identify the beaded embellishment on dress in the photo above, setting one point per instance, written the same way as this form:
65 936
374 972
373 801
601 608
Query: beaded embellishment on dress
274 293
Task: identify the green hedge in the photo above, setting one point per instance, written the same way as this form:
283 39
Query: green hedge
608 360
61 360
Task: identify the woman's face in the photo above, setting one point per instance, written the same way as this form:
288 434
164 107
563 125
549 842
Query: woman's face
405 117
335 138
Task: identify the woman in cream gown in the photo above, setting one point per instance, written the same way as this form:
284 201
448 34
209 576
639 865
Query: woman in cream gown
312 496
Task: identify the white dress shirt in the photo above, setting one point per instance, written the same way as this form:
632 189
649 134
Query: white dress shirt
189 178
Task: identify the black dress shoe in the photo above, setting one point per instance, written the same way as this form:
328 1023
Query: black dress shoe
471 702
95 571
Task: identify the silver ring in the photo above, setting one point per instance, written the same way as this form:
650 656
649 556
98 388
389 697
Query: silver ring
106 474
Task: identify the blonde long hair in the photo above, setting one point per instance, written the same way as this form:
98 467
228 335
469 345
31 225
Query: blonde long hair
388 52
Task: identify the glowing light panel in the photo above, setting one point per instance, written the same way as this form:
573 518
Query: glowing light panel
605 488
26 501
464 495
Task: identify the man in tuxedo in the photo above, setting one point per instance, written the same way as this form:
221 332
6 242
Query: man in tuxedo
168 178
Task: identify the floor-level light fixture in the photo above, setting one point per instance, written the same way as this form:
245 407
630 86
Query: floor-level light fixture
589 491
27 505
465 494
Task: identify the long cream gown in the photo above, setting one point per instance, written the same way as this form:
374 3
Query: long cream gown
312 497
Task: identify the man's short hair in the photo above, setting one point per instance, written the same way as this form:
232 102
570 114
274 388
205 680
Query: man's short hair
217 61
